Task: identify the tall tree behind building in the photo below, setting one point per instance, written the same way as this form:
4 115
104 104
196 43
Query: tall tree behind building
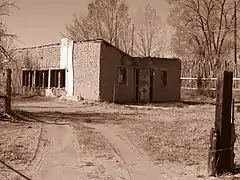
149 34
6 38
203 33
106 19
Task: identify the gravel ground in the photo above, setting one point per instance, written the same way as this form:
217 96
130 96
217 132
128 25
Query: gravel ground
175 136
18 146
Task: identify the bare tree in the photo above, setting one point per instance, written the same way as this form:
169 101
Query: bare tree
149 38
106 19
6 39
203 33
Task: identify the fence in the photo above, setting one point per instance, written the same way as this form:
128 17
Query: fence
207 83
5 92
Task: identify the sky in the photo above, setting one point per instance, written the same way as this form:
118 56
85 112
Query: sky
39 22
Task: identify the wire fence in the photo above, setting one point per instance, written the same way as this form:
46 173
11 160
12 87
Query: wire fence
207 83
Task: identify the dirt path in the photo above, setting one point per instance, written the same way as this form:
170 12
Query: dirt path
137 163
60 159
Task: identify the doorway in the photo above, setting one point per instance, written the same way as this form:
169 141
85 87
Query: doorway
144 85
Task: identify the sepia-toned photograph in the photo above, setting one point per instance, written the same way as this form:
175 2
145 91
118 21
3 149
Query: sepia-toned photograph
119 89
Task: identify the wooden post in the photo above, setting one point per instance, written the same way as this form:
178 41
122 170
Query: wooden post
59 78
8 93
114 93
212 153
34 78
49 78
43 79
223 159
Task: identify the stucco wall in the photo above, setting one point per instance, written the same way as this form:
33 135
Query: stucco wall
42 57
3 81
86 59
170 92
112 59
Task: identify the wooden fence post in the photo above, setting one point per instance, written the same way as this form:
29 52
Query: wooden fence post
223 159
8 93
114 93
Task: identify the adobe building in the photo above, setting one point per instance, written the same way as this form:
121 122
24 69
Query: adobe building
95 70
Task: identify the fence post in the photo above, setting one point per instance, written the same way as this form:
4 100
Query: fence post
114 93
223 159
8 93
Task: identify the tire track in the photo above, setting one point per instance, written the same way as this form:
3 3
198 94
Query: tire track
41 152
138 165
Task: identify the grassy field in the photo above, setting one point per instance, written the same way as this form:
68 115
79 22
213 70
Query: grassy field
175 136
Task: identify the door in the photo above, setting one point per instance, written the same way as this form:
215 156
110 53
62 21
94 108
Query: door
144 85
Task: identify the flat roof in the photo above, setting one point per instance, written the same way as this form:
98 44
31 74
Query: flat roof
98 40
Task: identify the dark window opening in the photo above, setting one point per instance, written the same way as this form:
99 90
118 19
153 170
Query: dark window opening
46 78
58 78
27 78
137 83
62 78
122 78
52 83
163 78
31 74
37 79
40 78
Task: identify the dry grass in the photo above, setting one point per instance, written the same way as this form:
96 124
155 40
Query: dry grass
177 135
18 144
174 135
91 142
98 160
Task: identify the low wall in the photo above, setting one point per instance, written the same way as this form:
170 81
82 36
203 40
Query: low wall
53 92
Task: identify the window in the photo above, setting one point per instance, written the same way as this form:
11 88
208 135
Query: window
41 78
122 76
58 78
27 78
45 80
163 78
62 78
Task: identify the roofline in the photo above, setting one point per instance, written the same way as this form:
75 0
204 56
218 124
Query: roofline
173 59
98 41
106 43
109 44
40 46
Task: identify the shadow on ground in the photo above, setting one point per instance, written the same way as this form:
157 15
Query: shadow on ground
63 118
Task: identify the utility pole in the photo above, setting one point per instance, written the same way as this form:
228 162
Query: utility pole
133 29
235 41
235 32
116 33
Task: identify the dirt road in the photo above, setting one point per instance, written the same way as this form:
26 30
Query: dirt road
69 155
137 163
60 159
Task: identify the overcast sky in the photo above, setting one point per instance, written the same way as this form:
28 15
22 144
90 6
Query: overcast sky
39 22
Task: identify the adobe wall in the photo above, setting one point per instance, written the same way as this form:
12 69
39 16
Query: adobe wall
170 92
41 57
111 59
86 69
3 81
